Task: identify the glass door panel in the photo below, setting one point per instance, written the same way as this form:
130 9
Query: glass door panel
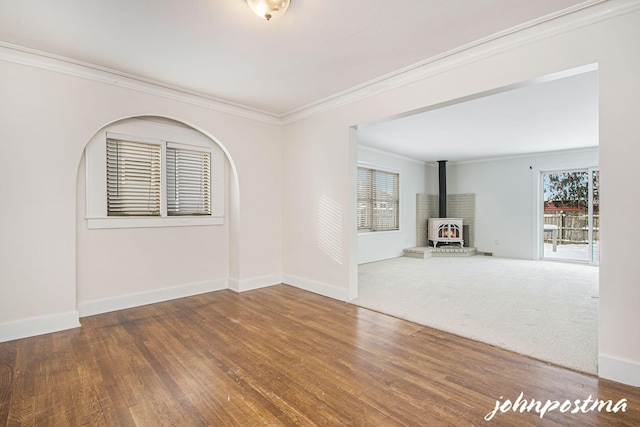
566 216
595 216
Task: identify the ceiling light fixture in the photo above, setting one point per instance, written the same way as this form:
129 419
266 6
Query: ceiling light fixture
268 9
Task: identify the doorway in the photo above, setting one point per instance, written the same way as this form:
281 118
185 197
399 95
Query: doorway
571 215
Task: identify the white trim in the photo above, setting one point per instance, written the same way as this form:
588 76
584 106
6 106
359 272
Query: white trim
254 283
524 155
331 291
377 233
352 222
574 168
620 370
60 64
581 15
40 325
133 138
537 192
152 221
529 32
376 167
121 302
390 154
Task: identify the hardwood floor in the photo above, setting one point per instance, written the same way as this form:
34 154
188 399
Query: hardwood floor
280 356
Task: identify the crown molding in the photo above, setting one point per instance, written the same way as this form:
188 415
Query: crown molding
520 156
60 64
584 14
578 16
390 154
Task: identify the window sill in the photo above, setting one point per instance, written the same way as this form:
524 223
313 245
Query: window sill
376 233
148 222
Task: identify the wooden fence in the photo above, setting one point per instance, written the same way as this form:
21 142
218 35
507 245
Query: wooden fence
573 228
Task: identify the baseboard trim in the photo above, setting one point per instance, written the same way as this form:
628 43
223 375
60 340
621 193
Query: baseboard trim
105 305
40 325
323 289
255 283
620 370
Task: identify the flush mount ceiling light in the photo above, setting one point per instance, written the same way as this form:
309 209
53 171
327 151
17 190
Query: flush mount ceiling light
268 9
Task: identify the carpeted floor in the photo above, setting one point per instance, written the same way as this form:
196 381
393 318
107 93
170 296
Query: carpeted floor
547 310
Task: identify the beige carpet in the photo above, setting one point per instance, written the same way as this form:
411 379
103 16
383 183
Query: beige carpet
543 309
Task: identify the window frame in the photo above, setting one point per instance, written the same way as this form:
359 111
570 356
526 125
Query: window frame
137 130
374 169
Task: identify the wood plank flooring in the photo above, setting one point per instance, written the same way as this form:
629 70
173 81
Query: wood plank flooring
279 356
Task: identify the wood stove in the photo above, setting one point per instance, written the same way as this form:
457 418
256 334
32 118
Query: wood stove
444 230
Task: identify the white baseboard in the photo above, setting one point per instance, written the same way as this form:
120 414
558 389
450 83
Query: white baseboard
46 324
120 302
255 283
323 289
620 370
33 326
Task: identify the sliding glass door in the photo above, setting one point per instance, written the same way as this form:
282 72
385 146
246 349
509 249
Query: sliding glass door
571 220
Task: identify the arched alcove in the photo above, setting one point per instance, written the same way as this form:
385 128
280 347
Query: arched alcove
124 266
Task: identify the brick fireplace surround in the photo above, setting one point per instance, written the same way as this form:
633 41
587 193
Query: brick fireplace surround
458 206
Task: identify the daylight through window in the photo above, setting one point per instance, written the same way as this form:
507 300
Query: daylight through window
135 185
188 182
154 173
378 200
134 176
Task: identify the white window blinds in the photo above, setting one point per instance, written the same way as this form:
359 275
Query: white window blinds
365 199
134 176
378 200
188 182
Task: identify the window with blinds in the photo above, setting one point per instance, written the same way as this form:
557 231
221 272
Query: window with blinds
188 182
135 185
143 173
134 178
378 200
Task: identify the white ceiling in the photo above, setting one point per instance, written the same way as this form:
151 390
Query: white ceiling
561 114
218 48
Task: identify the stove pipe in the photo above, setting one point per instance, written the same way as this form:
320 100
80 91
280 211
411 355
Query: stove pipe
442 176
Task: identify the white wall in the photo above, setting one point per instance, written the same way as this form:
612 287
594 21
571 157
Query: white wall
47 118
319 157
317 169
505 193
413 180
